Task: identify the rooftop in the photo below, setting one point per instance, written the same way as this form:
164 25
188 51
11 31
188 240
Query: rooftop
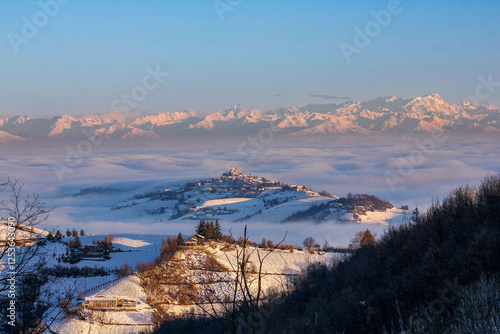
96 298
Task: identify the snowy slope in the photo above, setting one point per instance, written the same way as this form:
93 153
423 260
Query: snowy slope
135 321
280 212
278 262
187 274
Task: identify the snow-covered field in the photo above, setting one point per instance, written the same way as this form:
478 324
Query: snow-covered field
135 248
389 217
277 262
223 201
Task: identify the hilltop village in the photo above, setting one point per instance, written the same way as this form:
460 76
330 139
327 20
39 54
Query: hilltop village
235 196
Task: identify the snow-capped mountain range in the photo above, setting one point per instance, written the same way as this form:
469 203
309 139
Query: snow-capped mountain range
383 115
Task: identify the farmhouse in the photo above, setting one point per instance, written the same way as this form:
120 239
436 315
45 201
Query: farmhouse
105 302
195 240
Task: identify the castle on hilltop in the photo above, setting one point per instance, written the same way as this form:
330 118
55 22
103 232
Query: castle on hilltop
234 171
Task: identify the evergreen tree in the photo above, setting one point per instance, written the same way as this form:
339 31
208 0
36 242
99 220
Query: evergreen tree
210 230
368 239
75 243
82 233
78 242
68 233
50 237
415 217
180 240
217 230
201 229
58 235
363 238
74 233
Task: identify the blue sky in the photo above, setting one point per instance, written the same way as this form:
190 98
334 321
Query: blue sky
262 54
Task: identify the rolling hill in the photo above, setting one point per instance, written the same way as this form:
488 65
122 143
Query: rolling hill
236 197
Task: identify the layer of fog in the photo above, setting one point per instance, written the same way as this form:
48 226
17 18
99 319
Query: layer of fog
338 167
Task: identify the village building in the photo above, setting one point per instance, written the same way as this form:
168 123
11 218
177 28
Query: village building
106 302
191 242
195 240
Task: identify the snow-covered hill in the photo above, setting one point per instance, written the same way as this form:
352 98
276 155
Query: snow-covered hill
236 197
383 115
201 276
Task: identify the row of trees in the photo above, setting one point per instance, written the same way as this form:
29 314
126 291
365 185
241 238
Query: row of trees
365 200
209 230
361 239
75 252
75 243
105 245
58 235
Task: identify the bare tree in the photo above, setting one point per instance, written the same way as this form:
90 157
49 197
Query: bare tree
244 309
309 242
24 254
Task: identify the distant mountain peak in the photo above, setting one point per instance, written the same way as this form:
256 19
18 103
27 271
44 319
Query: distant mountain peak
391 98
433 96
23 119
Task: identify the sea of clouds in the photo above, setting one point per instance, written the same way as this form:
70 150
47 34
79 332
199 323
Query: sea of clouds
396 170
